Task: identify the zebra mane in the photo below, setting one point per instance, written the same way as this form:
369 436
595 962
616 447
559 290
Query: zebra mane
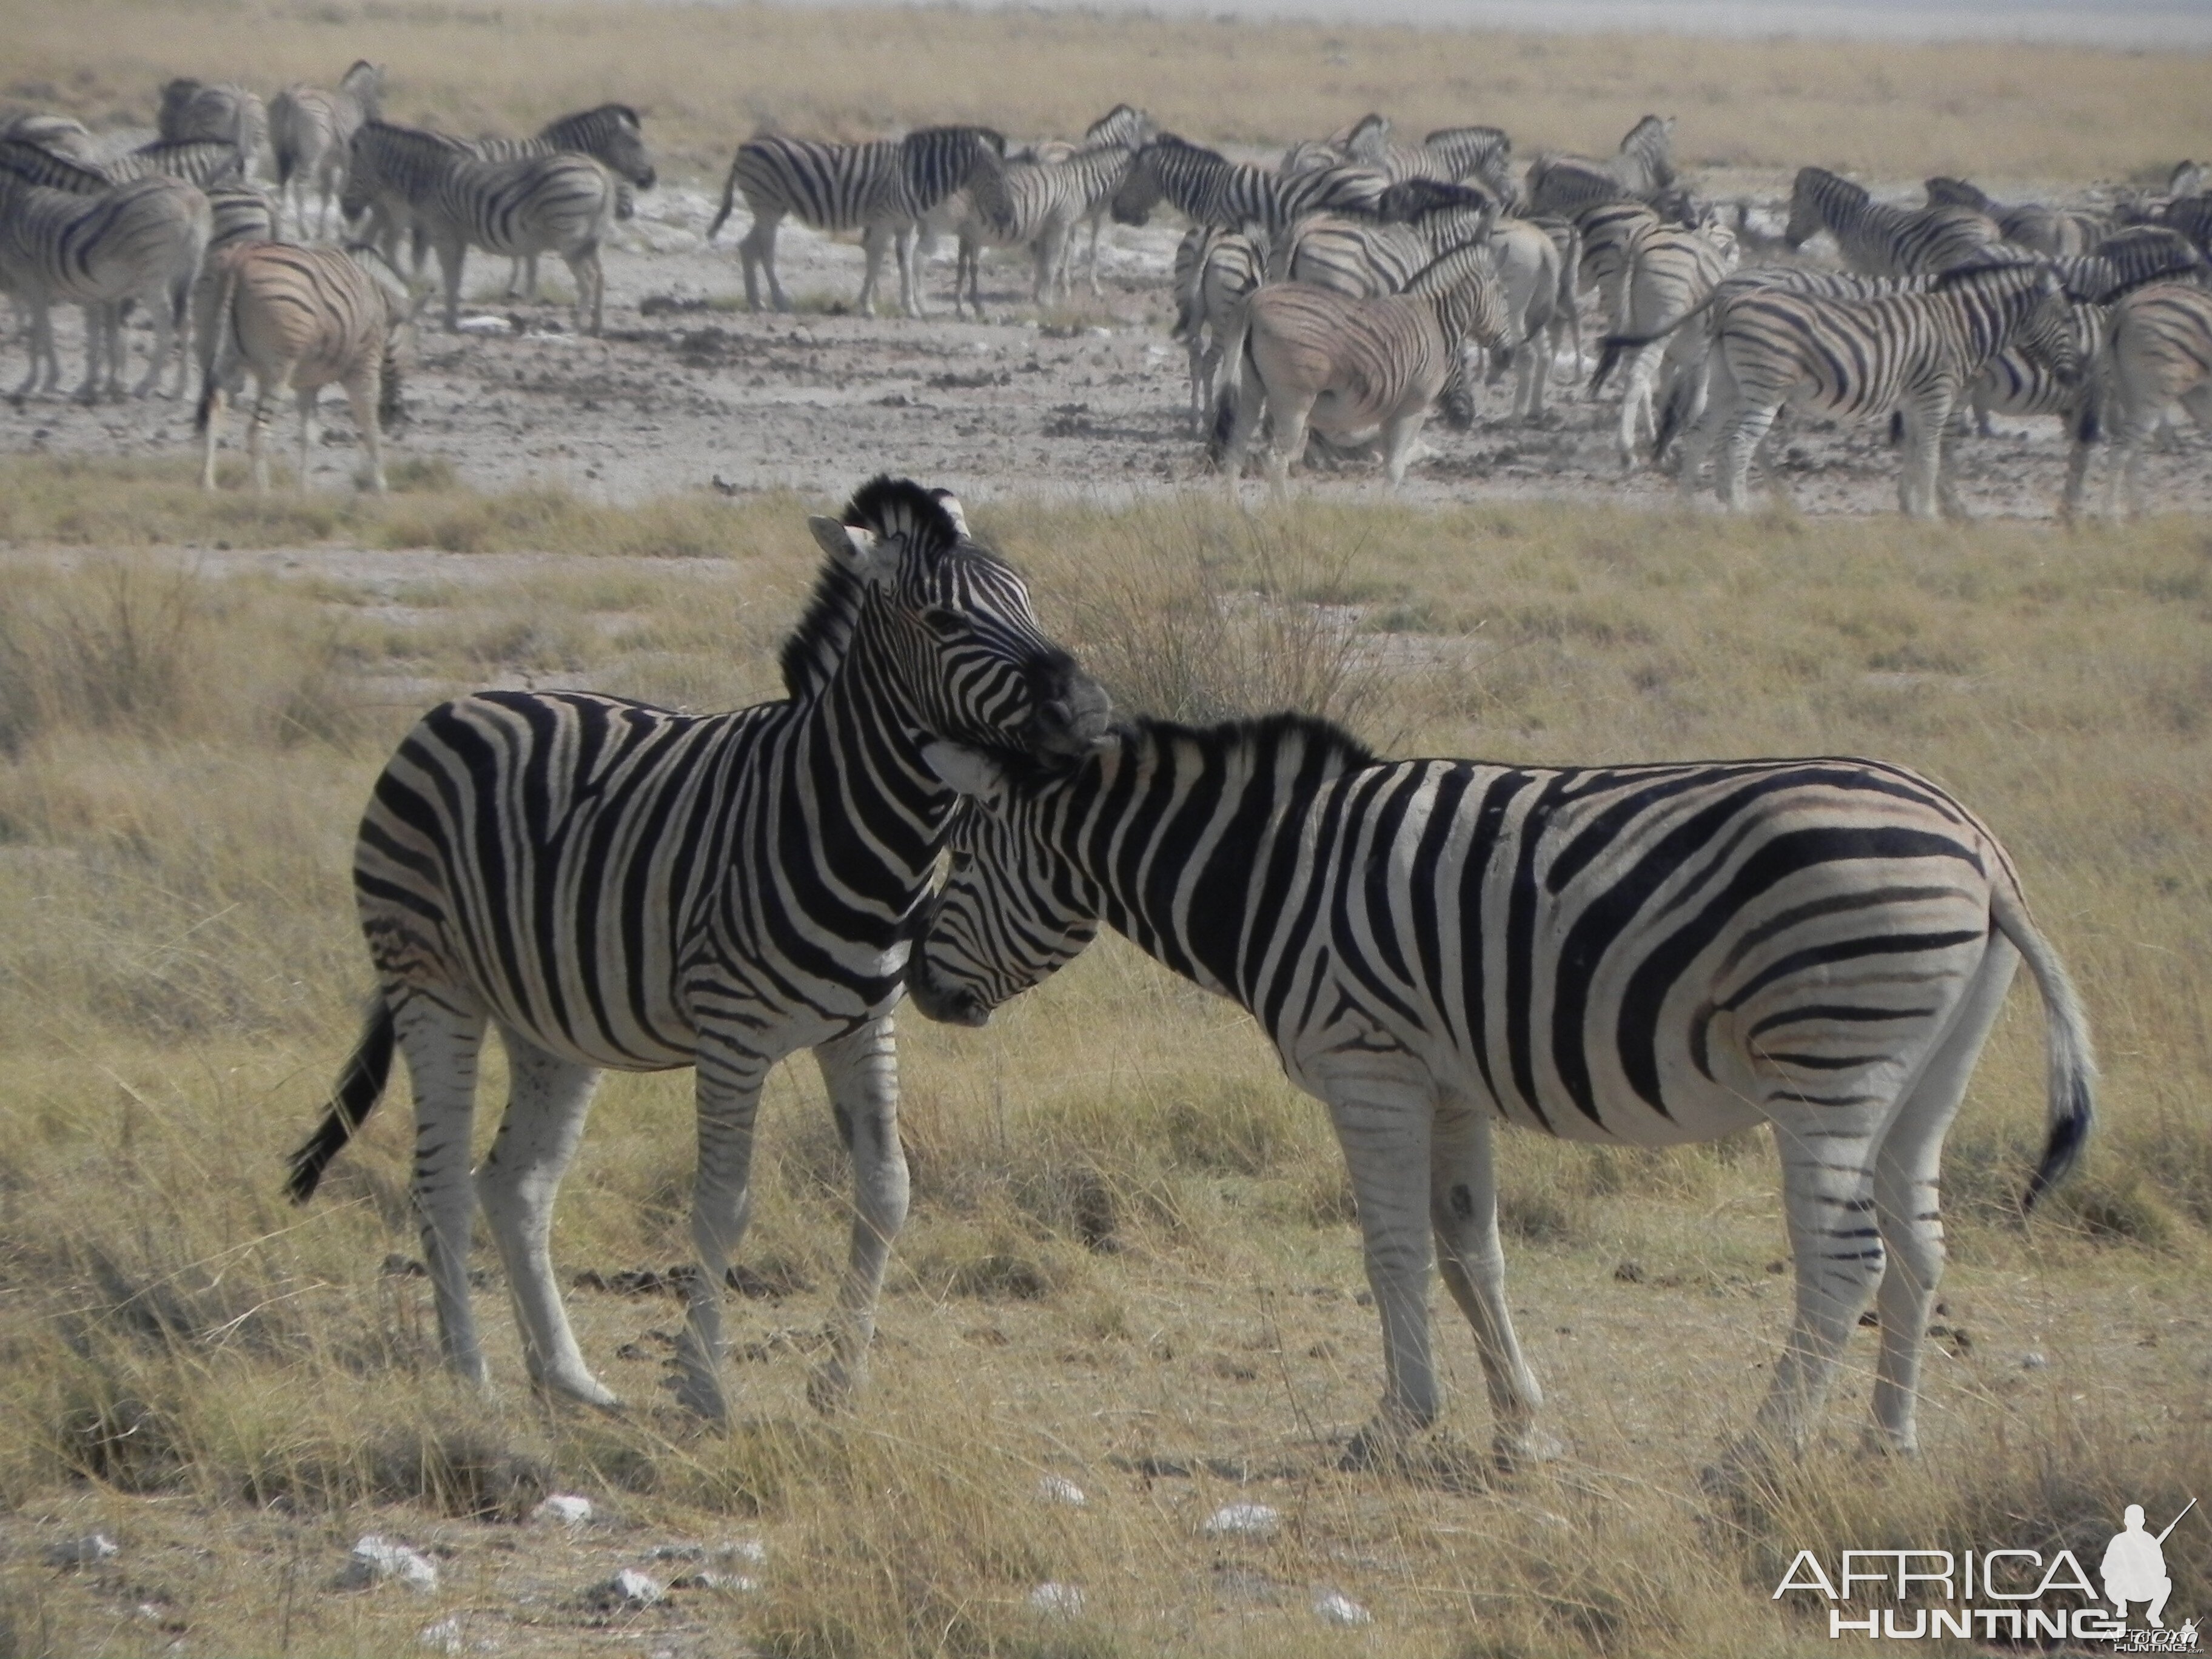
1957 192
1453 266
414 137
1318 736
929 521
1989 261
1416 198
37 165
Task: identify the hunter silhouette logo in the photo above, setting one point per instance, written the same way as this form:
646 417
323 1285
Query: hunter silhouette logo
2135 1566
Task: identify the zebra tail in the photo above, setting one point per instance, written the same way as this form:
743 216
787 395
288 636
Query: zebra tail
1609 350
1237 362
361 1083
2070 1061
213 334
729 199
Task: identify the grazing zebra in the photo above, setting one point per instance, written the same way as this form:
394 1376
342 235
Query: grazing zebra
1311 355
1215 272
1636 956
311 130
616 885
612 135
299 319
1879 240
1208 189
560 203
882 189
1670 274
387 166
67 234
2030 225
222 113
2157 352
1641 169
205 162
1919 353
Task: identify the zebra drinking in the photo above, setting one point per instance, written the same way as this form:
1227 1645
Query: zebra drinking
611 885
1638 955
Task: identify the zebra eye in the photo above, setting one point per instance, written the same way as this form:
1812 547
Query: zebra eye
945 624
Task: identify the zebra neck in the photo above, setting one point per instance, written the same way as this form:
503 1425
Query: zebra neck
881 807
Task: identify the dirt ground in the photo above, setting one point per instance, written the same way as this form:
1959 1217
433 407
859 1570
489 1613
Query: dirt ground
687 389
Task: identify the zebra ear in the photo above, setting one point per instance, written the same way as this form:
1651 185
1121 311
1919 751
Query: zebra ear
857 549
966 772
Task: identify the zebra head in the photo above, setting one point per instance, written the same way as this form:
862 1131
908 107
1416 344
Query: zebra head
613 133
364 84
1013 912
944 637
1142 188
1811 195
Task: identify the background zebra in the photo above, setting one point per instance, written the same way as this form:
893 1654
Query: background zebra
560 203
1208 189
311 130
1881 240
2157 352
1642 166
613 884
1636 956
299 319
1670 273
2028 224
611 134
882 189
387 166
1215 272
202 162
1038 205
224 114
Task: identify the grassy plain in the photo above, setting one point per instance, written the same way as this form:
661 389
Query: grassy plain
1131 1262
706 76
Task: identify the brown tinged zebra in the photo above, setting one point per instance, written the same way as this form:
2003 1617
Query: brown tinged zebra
1311 356
614 886
882 190
298 320
311 130
2157 352
1640 956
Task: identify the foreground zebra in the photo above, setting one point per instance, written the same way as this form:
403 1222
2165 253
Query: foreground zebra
2157 352
311 130
1917 354
67 235
299 319
1636 956
562 203
882 190
616 885
1313 356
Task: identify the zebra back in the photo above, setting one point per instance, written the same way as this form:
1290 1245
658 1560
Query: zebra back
202 162
35 164
1356 257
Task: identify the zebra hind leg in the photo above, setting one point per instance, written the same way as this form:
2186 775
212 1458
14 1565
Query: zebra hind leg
728 1082
548 1099
861 1071
1463 1215
590 278
442 1045
364 390
757 250
307 397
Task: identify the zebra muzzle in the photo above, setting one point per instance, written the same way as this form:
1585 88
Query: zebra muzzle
1071 721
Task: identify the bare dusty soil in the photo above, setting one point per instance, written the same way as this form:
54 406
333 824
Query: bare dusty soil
687 388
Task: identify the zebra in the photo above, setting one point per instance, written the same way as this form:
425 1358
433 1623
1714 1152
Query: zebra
562 203
206 162
310 129
2030 225
1670 273
1215 272
611 134
2157 352
1916 352
1638 955
299 319
1311 355
1642 168
238 213
1040 204
1359 258
387 166
1123 125
1208 189
67 234
882 190
1538 285
2019 382
224 114
64 134
1880 240
616 885
1477 154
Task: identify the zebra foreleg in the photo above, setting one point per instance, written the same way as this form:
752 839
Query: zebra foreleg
757 251
1908 1195
442 1045
97 320
728 1084
861 1071
1381 1104
452 256
903 243
873 242
590 278
1920 479
548 1098
1463 1215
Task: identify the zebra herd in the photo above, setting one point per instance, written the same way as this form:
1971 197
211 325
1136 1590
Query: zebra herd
1638 955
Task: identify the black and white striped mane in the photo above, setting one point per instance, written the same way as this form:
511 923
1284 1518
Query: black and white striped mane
889 508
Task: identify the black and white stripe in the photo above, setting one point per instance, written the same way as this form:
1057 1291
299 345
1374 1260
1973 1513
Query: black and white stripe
1207 188
1670 273
222 113
311 130
2157 352
387 166
1636 956
614 885
610 134
2031 225
1215 272
1640 170
882 190
1037 206
1880 240
205 162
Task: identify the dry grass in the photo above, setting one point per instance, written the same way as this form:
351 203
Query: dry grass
1130 1263
709 75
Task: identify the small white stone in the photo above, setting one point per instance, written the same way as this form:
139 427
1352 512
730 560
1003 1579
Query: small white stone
628 1588
1058 1489
2033 1360
1243 1520
446 1636
1059 1600
82 1552
563 1508
485 325
1335 1607
749 1551
376 1558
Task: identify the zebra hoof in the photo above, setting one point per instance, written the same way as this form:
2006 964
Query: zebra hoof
703 1397
1514 1452
587 1390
